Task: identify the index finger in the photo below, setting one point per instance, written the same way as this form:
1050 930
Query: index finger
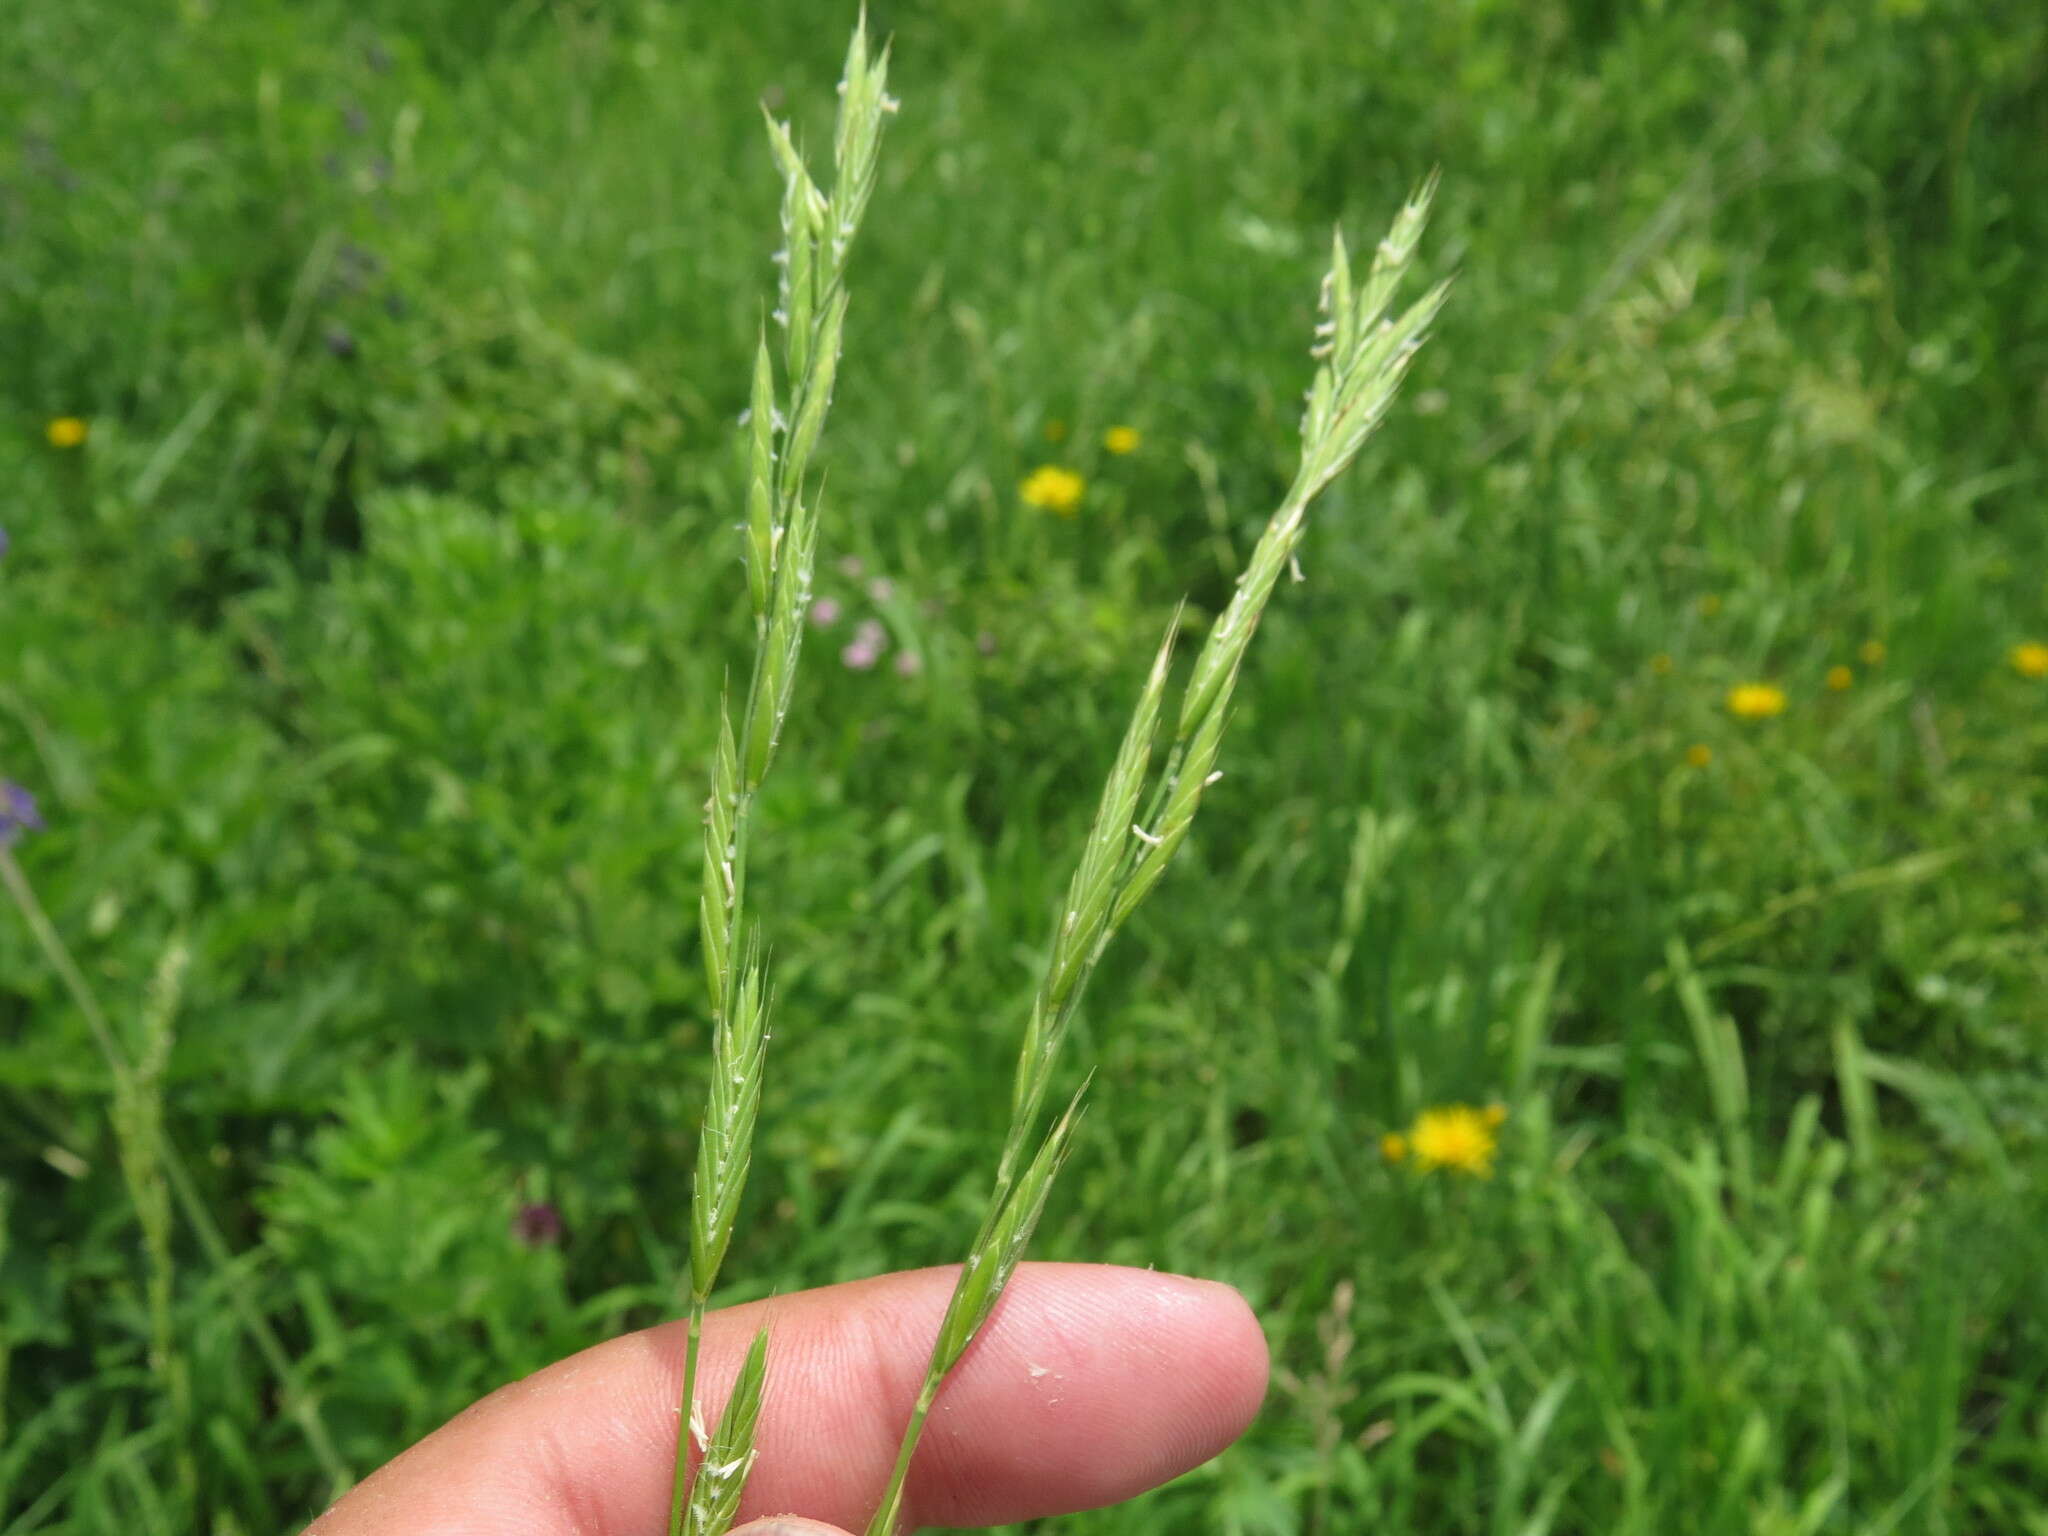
1091 1383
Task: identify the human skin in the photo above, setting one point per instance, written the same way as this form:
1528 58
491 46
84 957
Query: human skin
1090 1383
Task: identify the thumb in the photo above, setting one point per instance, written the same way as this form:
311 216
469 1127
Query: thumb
788 1525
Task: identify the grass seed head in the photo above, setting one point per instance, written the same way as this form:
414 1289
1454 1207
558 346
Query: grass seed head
729 1449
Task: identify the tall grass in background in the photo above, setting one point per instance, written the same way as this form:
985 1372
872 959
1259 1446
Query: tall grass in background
1654 759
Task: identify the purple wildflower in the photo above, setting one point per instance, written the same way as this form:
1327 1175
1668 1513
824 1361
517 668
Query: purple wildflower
18 812
870 639
3 541
850 566
825 612
908 663
881 589
538 1225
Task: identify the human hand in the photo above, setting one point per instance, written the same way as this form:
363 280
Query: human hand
1090 1383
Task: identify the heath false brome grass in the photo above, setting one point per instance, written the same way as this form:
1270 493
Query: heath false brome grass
781 545
1364 351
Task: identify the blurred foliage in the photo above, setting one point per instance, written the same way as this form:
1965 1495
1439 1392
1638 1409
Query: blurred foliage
371 638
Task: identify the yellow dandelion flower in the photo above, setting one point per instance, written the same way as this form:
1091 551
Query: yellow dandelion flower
2030 659
1495 1114
1121 439
1055 431
1710 605
1661 663
1454 1136
1052 489
65 432
1393 1146
1871 652
1699 754
1756 701
1839 679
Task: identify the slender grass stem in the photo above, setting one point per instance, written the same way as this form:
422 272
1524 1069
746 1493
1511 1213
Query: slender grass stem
681 1491
59 956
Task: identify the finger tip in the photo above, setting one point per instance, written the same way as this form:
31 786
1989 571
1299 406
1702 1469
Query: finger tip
1240 1356
1102 1381
1211 1359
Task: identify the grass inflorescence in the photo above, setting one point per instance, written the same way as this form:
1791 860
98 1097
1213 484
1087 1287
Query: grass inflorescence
783 501
1366 352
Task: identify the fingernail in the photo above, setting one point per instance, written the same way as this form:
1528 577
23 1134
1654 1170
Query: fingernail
787 1525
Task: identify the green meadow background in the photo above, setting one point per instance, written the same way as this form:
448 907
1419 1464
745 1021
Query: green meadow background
370 642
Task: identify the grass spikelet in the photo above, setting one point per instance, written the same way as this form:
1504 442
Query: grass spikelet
729 1451
140 1135
1364 355
781 527
725 1144
1085 921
